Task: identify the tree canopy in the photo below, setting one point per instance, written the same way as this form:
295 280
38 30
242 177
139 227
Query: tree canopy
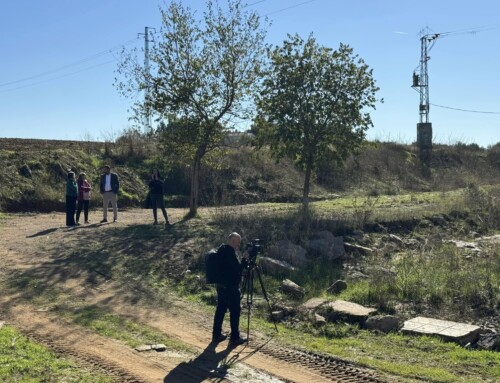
204 74
314 104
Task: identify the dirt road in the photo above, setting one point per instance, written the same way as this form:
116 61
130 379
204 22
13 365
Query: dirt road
23 241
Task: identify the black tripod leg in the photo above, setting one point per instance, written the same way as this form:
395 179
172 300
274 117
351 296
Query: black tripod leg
266 298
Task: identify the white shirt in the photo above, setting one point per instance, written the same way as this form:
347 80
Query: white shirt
107 185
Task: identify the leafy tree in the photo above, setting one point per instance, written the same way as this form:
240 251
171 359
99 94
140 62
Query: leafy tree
313 104
205 76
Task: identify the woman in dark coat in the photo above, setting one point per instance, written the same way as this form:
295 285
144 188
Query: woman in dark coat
156 195
71 194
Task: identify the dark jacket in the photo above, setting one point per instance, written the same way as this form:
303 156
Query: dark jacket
71 188
115 183
229 265
156 186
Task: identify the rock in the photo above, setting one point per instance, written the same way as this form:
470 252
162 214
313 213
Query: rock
438 220
384 323
489 342
326 245
411 242
290 287
146 347
288 252
471 246
2 323
396 239
25 171
278 315
312 304
159 347
319 320
460 333
343 310
352 248
275 267
337 287
357 275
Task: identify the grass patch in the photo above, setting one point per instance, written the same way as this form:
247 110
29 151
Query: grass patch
117 327
22 360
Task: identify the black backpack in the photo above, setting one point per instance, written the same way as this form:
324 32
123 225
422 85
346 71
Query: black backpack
213 272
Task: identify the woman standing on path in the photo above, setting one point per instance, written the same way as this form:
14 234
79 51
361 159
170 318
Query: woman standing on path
84 189
156 195
71 195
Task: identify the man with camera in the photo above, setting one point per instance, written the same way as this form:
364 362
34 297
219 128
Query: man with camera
228 292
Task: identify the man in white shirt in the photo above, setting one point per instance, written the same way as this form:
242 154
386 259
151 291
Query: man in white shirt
109 187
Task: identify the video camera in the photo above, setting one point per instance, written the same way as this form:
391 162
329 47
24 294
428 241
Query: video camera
253 249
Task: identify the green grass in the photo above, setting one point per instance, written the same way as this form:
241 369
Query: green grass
125 330
22 360
423 358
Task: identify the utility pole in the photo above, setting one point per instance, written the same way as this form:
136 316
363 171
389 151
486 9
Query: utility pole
147 118
421 81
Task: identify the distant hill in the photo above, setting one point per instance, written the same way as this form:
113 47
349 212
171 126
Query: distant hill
33 173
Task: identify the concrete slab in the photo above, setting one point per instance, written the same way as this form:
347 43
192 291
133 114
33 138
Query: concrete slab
461 333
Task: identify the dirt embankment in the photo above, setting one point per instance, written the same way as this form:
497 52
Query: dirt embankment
22 244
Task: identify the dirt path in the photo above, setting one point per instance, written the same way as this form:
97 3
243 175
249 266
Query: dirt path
22 243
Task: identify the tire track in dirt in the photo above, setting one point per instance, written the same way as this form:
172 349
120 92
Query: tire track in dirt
18 243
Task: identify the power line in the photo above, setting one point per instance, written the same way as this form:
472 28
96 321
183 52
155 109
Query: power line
290 7
56 78
464 110
81 61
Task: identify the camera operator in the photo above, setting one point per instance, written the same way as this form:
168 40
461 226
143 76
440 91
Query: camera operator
228 292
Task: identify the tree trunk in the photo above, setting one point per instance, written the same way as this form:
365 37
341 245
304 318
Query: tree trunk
195 183
307 185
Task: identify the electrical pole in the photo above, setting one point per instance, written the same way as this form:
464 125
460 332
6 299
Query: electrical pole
147 118
421 81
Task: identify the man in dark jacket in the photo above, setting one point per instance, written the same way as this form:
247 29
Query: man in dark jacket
109 187
228 292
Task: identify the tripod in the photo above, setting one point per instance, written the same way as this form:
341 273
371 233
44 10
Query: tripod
247 290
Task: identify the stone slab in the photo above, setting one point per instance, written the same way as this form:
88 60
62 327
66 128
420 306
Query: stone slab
461 333
351 309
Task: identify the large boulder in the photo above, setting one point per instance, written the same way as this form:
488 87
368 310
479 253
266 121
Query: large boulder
340 310
288 252
337 287
326 245
274 267
287 286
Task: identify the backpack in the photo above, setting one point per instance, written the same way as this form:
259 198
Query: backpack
213 270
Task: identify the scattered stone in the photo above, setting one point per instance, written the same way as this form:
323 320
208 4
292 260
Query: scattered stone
438 220
352 248
472 246
325 244
288 286
2 323
396 239
384 323
489 342
160 347
278 315
460 333
319 320
312 304
411 242
25 171
275 267
357 275
337 287
343 310
288 252
145 347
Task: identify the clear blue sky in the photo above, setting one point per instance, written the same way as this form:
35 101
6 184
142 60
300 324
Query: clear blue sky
58 61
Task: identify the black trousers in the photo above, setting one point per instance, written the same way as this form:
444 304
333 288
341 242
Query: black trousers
85 206
228 298
157 202
70 210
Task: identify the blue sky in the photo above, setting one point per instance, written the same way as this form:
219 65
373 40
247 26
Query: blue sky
58 61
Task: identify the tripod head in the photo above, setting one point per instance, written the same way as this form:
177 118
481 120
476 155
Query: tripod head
253 249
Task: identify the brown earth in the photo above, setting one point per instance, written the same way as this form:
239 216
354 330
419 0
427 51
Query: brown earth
23 241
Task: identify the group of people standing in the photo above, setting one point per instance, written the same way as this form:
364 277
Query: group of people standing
78 193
